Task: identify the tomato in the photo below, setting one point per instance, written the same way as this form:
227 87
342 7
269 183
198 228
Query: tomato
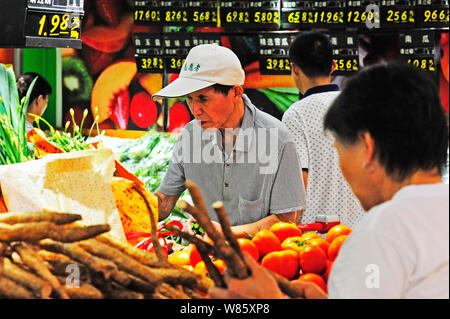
326 275
201 269
318 280
310 235
319 242
285 263
266 241
195 255
181 258
337 231
313 260
285 230
293 243
335 246
248 246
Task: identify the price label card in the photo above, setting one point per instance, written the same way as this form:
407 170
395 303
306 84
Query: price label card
363 14
273 52
59 5
175 12
345 52
203 13
432 13
312 14
417 48
149 52
177 46
250 14
398 13
147 12
53 25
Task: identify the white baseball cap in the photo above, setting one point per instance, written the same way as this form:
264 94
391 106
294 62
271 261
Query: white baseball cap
205 65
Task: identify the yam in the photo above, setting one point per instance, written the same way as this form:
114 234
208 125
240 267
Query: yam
53 217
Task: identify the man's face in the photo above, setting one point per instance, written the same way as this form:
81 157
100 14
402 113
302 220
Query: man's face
212 109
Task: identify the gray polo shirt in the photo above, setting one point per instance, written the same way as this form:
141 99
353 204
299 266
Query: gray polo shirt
258 176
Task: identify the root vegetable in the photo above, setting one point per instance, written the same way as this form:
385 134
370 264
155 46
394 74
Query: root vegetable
32 232
53 217
39 287
31 259
10 289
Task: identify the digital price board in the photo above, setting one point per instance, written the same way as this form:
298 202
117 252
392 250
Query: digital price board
432 13
190 13
345 52
417 48
149 49
177 46
363 14
147 12
398 14
53 23
313 14
250 14
273 50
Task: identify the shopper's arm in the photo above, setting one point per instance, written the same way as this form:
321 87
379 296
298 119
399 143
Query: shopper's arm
166 203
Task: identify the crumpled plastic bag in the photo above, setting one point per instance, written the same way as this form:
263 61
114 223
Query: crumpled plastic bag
75 182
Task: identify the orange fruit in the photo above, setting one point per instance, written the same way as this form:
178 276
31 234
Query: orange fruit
313 260
319 242
285 230
284 263
337 231
310 235
248 246
335 246
181 258
266 241
318 280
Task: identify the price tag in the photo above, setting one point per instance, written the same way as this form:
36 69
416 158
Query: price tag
363 14
174 12
345 53
44 24
58 5
178 45
433 14
417 48
251 14
274 53
203 13
147 12
312 13
398 13
149 53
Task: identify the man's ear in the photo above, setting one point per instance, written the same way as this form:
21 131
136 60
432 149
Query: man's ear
238 91
369 148
295 69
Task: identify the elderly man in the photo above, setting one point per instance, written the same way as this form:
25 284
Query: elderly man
234 152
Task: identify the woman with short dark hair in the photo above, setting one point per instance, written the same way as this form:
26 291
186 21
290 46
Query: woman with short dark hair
392 138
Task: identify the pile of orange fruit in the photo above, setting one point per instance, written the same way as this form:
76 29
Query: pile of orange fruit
283 249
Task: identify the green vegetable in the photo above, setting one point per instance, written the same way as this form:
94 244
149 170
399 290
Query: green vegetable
13 138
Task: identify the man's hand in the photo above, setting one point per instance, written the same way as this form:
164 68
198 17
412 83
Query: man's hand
165 204
260 285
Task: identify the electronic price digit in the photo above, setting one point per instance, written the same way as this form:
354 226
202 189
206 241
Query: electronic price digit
53 23
273 49
345 53
363 14
398 13
177 46
313 14
432 13
417 48
146 12
149 53
174 12
203 13
250 14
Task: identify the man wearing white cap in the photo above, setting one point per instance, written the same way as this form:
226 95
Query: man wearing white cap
234 152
